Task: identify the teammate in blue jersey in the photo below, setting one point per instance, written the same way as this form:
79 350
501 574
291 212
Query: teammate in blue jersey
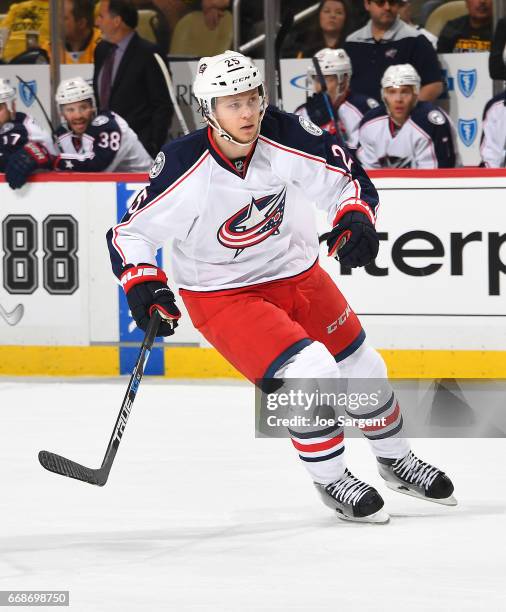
339 110
91 142
235 203
405 133
24 146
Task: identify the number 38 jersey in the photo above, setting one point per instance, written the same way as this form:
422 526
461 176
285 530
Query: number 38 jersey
108 144
252 220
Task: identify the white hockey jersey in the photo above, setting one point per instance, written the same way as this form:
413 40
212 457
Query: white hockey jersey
349 115
231 227
426 140
107 145
493 139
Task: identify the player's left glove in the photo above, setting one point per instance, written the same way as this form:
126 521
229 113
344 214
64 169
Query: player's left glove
24 162
353 241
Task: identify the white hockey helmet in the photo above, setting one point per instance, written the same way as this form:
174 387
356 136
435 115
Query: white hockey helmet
226 74
332 62
74 90
7 94
399 75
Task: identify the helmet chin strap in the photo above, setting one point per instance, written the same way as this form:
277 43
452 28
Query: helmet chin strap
213 122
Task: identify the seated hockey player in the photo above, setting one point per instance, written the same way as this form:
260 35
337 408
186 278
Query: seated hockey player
493 139
339 107
24 146
235 200
403 132
91 142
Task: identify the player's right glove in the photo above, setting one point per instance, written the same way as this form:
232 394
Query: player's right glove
24 162
146 289
359 240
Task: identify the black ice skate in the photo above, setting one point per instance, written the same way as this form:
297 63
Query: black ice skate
353 500
413 476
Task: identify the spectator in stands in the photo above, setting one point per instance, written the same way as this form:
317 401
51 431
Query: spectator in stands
127 78
468 33
94 143
406 14
24 146
339 110
493 139
174 10
27 25
81 37
328 28
497 59
206 32
384 41
403 132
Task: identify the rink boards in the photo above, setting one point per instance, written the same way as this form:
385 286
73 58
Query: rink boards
433 302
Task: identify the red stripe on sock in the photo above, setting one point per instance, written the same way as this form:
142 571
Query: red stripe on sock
318 446
388 420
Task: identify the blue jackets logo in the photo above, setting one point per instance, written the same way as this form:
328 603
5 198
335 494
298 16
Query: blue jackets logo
27 92
468 128
253 223
467 80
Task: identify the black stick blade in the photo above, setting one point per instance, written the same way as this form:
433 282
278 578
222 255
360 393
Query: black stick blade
66 467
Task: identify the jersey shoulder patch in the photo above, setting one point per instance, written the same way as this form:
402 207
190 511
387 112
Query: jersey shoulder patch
362 103
157 166
436 117
177 157
428 116
310 127
105 122
100 120
6 127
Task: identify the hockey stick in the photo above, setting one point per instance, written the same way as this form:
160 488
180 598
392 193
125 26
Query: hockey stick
326 96
172 94
66 467
53 133
278 45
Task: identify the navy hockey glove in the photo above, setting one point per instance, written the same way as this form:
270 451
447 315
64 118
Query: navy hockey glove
353 241
24 162
146 289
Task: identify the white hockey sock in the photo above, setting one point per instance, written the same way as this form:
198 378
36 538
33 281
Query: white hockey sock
321 449
385 436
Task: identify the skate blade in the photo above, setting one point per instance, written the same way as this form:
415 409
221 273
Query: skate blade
447 501
378 518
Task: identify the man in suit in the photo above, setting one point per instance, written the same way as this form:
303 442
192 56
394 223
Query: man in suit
127 78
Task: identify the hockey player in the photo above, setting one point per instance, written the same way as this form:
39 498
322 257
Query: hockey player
94 143
405 133
24 146
339 106
235 200
493 139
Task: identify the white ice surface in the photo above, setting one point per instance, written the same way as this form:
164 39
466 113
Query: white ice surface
200 515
